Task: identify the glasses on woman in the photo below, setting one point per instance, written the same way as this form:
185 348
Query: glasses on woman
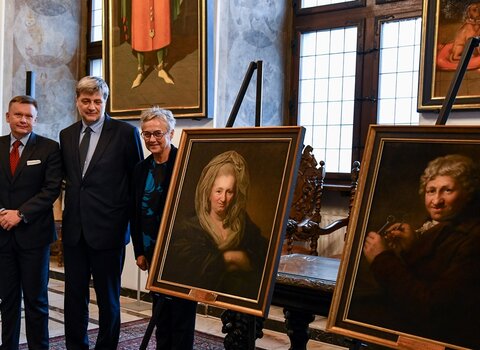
158 134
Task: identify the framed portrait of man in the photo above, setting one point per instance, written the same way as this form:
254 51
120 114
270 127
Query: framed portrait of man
227 207
410 273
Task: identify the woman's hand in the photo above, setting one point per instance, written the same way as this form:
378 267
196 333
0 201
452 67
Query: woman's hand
142 262
237 260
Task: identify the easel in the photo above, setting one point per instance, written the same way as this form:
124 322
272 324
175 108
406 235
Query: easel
228 315
243 89
30 84
250 320
151 324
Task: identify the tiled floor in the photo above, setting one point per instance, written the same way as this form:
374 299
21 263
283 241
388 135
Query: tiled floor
133 310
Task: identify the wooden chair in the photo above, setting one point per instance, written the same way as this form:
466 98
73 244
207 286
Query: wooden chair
304 284
304 223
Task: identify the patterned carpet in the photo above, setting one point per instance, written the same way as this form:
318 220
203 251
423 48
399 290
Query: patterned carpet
131 336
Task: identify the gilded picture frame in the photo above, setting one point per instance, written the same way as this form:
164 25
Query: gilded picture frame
191 259
391 195
153 60
446 26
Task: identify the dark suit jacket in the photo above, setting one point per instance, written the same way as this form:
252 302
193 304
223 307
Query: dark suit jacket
98 204
32 190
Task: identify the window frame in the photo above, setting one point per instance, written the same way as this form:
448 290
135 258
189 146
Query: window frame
367 15
94 50
298 11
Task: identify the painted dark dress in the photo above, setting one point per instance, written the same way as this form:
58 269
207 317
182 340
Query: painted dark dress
193 259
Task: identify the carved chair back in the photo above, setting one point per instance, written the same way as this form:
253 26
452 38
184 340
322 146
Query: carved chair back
304 223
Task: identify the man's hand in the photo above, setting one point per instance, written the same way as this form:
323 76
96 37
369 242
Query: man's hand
374 245
9 219
400 237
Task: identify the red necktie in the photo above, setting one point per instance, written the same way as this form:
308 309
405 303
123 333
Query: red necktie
14 156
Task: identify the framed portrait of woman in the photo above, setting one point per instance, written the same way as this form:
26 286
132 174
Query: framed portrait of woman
223 225
409 277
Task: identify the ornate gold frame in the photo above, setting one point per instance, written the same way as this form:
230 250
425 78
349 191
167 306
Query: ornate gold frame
388 187
268 204
444 29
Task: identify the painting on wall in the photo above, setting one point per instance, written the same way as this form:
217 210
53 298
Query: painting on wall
225 217
409 277
155 55
447 26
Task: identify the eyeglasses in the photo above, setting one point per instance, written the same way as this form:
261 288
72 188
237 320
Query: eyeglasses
158 134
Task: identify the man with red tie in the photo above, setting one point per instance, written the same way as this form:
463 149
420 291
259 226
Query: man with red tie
30 178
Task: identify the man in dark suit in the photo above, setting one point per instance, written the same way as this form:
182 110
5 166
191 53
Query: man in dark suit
99 154
30 178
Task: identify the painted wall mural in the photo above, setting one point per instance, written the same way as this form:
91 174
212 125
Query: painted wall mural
252 36
46 41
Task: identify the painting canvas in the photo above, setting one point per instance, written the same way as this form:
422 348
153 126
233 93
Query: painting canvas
155 54
410 273
447 25
224 222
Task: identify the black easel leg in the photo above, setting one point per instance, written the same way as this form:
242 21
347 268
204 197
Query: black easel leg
356 345
251 332
151 324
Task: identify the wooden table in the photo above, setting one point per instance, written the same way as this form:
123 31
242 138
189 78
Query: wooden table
304 288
